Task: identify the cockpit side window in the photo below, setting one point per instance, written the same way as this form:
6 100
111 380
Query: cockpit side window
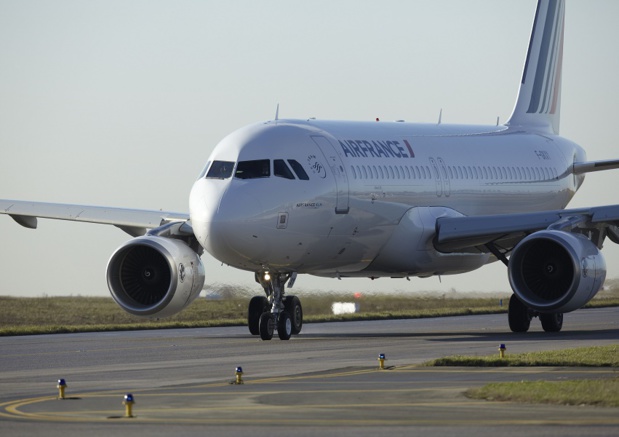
281 169
298 169
204 170
260 168
220 170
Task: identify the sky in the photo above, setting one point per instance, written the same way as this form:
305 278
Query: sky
119 103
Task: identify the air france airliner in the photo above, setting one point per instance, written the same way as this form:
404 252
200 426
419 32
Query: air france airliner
376 199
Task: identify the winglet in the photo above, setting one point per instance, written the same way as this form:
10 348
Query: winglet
539 97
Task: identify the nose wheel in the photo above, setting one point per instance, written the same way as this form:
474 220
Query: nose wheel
276 311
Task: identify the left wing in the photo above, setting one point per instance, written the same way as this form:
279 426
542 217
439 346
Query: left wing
135 222
455 234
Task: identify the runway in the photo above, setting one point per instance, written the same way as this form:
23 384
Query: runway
324 381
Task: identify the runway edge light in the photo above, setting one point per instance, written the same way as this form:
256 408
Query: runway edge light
381 361
502 350
61 386
238 373
128 403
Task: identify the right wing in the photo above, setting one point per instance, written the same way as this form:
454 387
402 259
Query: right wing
135 222
504 231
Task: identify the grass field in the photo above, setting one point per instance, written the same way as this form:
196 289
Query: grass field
597 356
599 392
20 316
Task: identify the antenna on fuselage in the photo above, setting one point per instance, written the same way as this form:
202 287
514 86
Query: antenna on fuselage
440 116
277 112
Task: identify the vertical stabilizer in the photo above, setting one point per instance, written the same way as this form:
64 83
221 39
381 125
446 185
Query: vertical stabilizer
539 98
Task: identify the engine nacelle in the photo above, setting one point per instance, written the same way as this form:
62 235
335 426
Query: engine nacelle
154 276
556 271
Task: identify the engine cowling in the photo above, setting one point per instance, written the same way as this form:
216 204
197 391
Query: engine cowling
154 276
556 271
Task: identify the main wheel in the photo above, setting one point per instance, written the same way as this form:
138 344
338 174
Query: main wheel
284 326
257 306
518 315
267 326
551 322
294 308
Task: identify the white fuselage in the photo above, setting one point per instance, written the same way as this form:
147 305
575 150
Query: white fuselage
366 184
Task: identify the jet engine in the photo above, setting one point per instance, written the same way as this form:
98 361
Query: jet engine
154 276
555 271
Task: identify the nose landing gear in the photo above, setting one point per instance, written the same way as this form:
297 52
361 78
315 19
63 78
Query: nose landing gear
276 310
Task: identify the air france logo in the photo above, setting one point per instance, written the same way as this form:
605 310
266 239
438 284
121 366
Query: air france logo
181 272
316 166
377 148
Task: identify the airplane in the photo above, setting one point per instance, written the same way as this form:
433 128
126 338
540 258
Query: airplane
376 199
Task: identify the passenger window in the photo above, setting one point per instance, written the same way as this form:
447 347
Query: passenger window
298 169
280 169
260 168
220 170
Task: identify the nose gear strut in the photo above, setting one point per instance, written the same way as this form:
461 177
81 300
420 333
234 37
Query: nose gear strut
276 310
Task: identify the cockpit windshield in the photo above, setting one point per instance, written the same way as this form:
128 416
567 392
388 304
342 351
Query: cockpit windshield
260 168
255 169
220 170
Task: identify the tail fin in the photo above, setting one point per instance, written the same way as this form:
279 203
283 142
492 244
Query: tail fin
539 97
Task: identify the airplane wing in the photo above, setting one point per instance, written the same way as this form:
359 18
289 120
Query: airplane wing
455 234
591 166
135 222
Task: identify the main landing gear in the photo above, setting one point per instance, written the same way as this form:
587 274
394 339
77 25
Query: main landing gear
276 311
519 317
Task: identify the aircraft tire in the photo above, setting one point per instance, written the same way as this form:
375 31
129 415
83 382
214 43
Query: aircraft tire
284 326
518 315
551 322
257 306
267 326
294 308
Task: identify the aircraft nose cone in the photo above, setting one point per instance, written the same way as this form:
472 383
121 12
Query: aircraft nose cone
204 202
227 224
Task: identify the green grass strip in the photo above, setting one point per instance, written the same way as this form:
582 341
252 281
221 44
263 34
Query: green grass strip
595 356
596 392
49 315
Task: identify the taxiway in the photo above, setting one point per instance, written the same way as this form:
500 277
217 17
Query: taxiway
326 380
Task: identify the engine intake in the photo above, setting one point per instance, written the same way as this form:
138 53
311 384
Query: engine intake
555 271
154 276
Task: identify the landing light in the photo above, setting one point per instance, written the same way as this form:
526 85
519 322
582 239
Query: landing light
267 277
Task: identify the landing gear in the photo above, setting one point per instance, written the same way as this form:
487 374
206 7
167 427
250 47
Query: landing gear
275 311
519 317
